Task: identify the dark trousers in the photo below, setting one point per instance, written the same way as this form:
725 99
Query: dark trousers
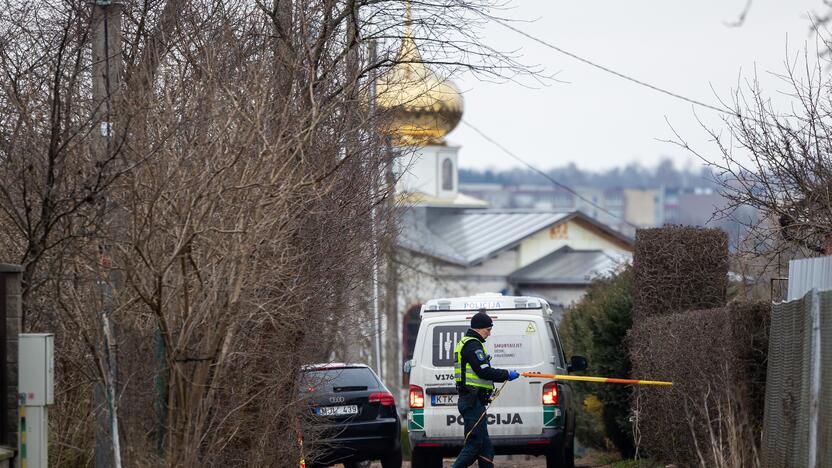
478 445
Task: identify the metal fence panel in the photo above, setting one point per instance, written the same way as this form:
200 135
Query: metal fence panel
788 383
825 423
802 360
783 384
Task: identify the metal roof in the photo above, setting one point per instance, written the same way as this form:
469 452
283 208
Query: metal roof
478 234
415 235
461 200
568 266
470 236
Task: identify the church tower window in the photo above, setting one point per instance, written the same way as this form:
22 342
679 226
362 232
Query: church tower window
447 175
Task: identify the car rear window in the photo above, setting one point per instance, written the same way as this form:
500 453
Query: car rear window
342 379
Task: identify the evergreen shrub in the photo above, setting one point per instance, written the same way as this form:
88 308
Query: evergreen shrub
597 327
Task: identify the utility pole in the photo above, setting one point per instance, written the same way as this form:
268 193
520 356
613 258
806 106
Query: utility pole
106 81
374 215
106 69
392 338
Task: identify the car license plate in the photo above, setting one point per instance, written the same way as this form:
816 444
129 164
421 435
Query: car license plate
443 400
337 410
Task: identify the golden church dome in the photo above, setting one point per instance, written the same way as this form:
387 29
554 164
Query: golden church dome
420 107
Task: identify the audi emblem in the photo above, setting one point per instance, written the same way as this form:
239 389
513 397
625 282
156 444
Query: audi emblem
336 399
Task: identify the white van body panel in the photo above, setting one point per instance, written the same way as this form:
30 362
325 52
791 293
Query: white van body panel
522 340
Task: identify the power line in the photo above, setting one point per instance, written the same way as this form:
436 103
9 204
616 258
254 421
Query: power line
616 73
545 175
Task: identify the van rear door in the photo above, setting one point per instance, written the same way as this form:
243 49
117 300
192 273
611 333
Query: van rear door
441 415
521 344
516 343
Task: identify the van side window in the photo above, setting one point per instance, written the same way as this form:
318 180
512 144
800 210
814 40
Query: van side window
553 338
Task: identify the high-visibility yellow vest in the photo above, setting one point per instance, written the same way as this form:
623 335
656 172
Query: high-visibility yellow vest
471 378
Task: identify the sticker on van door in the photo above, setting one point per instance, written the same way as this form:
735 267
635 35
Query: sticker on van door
511 349
445 339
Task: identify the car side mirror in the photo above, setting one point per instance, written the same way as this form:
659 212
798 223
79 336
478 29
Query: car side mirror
577 363
407 366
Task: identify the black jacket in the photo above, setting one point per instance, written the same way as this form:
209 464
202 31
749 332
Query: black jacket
481 367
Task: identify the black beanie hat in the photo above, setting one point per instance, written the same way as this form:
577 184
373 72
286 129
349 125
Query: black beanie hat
481 320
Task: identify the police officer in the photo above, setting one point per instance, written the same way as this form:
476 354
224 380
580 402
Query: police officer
475 379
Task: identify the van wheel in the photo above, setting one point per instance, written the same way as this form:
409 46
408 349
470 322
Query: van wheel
361 464
392 460
563 457
420 459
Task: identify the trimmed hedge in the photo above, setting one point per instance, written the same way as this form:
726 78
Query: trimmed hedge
679 268
717 361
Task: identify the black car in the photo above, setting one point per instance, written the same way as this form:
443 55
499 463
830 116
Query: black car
354 416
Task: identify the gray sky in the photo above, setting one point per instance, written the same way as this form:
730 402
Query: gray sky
597 120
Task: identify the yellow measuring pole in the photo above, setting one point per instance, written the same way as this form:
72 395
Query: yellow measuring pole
581 378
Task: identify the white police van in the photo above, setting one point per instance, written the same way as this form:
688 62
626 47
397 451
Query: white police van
533 416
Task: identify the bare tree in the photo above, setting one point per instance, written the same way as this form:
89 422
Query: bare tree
238 189
778 163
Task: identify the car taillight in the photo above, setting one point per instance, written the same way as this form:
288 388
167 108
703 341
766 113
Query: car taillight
550 393
417 397
383 398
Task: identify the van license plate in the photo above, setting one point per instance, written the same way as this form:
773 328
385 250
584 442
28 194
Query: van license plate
337 410
443 400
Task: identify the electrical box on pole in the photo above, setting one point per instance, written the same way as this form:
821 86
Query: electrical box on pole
36 384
